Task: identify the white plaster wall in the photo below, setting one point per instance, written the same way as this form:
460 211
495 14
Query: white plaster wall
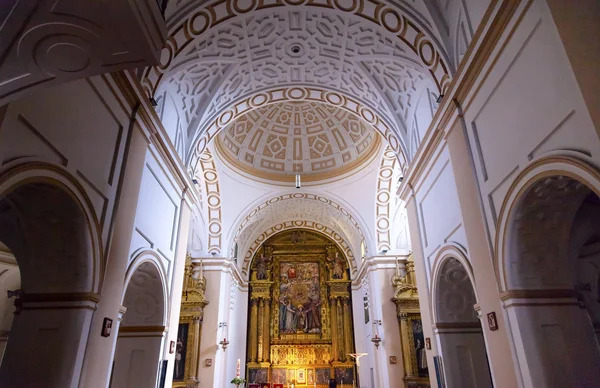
219 295
80 126
457 21
157 213
528 107
465 360
138 357
438 208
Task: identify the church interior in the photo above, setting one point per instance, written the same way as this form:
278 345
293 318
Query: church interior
300 193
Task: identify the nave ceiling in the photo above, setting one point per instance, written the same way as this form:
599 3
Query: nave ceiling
382 57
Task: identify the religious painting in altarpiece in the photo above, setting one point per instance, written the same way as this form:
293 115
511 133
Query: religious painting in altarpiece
300 316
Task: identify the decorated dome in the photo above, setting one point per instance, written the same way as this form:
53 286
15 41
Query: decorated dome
314 140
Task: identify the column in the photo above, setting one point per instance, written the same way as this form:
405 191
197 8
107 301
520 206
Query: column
48 339
486 286
347 327
195 329
340 328
100 350
334 329
404 341
267 332
261 327
253 334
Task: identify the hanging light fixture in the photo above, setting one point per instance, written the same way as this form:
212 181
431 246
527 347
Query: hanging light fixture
298 182
224 342
376 339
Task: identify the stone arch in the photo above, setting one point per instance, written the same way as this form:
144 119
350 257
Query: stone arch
452 263
457 326
544 177
383 197
48 223
266 203
314 227
155 268
21 175
290 94
537 277
142 329
317 227
214 216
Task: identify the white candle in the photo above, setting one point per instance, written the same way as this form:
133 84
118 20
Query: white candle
200 274
238 368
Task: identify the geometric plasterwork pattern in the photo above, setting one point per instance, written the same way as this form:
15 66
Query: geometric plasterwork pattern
382 200
455 295
261 44
213 201
342 244
540 233
144 298
299 206
296 94
305 138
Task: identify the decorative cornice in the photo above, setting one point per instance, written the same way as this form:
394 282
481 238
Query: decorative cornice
539 294
132 93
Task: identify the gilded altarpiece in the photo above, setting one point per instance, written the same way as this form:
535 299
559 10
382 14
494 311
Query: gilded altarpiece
187 348
300 327
406 299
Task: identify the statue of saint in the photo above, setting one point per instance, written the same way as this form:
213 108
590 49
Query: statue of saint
262 267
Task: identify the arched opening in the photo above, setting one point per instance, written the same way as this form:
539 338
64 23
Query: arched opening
48 233
458 328
142 329
551 267
300 317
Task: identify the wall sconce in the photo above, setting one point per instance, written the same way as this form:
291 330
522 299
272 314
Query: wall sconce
376 339
224 342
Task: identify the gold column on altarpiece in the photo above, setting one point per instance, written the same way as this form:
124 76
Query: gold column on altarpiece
267 331
261 328
340 329
192 314
406 300
334 331
347 327
253 329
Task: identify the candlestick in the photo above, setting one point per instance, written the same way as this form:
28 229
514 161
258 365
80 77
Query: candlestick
238 368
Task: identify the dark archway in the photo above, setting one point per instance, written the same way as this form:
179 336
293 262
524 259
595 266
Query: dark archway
458 328
142 330
45 227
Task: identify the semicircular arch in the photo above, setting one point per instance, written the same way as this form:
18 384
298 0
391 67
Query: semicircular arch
26 171
337 238
335 205
145 292
568 174
453 285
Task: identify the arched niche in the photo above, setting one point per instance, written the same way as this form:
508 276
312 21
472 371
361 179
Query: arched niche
141 331
47 223
457 326
300 315
547 260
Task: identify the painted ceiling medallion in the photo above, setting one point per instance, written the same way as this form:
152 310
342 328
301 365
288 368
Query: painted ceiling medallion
315 140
